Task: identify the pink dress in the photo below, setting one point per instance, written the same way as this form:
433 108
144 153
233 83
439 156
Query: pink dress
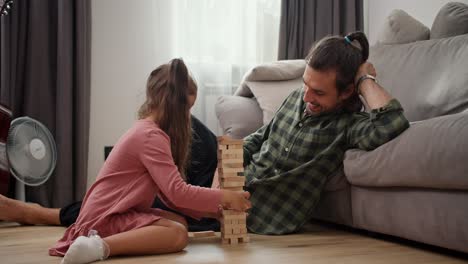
139 167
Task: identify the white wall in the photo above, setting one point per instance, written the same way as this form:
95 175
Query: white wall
124 51
423 10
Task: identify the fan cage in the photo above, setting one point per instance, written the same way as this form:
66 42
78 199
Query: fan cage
28 179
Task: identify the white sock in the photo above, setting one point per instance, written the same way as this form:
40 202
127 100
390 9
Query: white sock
86 250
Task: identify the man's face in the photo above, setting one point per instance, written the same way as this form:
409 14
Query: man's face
320 92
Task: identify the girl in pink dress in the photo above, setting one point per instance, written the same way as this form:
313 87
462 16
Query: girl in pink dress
116 217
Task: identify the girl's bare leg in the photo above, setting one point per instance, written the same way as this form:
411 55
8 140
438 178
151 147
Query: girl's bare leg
164 236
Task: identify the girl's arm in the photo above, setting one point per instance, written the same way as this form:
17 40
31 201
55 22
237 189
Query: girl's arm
157 159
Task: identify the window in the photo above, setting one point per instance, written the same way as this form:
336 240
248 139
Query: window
220 40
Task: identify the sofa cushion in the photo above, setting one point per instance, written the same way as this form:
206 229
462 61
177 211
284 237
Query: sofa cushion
399 28
238 116
270 95
430 154
276 71
452 20
430 78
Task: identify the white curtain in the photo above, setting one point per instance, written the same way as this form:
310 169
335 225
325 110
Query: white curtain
220 40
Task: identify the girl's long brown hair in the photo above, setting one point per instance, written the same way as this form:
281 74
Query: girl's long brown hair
167 92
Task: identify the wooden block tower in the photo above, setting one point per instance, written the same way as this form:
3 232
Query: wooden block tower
231 177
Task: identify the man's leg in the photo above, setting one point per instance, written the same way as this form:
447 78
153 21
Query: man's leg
27 213
69 214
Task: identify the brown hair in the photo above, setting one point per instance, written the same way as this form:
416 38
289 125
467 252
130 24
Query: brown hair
336 53
167 91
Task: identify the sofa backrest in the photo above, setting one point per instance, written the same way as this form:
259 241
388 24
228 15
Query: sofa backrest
429 77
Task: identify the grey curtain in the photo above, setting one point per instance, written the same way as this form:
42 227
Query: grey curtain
45 74
305 21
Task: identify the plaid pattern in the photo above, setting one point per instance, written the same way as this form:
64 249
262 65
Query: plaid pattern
287 162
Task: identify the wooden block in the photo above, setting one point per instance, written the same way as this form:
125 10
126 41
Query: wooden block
230 156
232 212
235 236
225 240
224 170
224 184
223 148
222 151
245 239
233 179
230 226
239 164
230 174
235 189
235 217
237 225
224 221
230 161
230 147
203 234
226 140
226 231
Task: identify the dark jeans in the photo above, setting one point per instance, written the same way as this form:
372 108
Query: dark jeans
200 172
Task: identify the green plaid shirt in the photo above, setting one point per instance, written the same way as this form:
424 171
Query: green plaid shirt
287 161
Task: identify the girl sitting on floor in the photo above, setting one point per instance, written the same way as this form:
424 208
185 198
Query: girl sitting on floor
116 217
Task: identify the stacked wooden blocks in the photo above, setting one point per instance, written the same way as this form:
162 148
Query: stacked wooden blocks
231 177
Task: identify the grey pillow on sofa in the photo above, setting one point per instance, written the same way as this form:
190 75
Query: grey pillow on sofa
270 95
452 20
399 28
238 116
275 71
431 153
429 78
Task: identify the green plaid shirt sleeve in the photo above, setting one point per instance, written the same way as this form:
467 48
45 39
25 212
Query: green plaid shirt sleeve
370 131
290 159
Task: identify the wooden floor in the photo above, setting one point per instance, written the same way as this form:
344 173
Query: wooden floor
317 244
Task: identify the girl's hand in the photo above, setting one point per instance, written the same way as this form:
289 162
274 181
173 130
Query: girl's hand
236 200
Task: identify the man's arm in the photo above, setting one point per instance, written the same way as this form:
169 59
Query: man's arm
373 93
386 120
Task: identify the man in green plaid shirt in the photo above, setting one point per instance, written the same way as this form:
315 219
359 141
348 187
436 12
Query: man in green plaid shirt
287 162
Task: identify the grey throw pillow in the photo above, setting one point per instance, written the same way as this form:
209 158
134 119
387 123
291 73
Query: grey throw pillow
270 95
238 116
429 78
274 71
400 28
452 20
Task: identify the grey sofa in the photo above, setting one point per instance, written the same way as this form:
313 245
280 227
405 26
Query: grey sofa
415 186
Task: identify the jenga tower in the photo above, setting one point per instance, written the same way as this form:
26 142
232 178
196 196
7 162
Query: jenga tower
231 177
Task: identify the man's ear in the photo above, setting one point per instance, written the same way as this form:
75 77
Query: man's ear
347 92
